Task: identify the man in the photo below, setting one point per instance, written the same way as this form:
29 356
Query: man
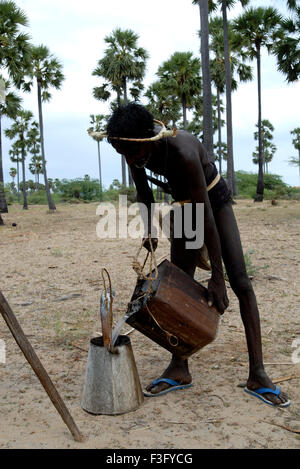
183 162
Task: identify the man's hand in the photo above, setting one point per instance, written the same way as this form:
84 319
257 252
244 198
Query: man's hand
147 245
217 294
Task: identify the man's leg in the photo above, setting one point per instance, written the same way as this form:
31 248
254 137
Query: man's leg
233 257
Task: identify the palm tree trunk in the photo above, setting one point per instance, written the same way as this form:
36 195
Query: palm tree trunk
18 177
230 165
25 204
183 103
124 181
208 133
100 174
219 132
51 204
260 180
3 204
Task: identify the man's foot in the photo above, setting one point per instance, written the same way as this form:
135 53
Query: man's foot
261 380
177 371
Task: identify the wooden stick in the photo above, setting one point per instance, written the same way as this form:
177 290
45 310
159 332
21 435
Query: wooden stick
38 368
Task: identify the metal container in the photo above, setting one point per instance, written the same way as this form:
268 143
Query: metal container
112 384
175 314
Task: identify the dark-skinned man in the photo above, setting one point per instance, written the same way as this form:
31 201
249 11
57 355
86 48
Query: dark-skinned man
184 163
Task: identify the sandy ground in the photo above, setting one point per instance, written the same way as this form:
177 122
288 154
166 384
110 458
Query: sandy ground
50 269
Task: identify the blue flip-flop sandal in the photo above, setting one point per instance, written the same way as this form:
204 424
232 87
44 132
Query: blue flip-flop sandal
174 386
258 393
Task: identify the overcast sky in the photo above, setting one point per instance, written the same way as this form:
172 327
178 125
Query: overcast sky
74 31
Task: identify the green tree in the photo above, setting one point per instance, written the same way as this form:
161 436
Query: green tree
13 56
180 76
8 108
19 130
296 142
15 156
268 147
34 147
123 63
163 105
14 44
97 125
224 6
287 49
46 71
259 28
240 71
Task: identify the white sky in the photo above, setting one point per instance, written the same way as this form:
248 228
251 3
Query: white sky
74 31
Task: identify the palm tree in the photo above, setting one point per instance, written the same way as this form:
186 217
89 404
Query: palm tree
14 45
36 168
224 4
287 49
8 108
20 129
13 173
180 76
47 72
240 71
34 147
296 142
123 62
97 125
206 78
162 104
268 147
15 153
259 27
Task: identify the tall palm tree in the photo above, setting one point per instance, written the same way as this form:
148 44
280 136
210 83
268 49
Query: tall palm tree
34 147
287 49
208 132
163 104
36 168
122 63
13 173
268 147
296 142
240 71
19 130
180 76
15 157
97 125
8 108
259 28
46 71
14 44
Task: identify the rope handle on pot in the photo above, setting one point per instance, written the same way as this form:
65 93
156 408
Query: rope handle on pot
173 340
139 269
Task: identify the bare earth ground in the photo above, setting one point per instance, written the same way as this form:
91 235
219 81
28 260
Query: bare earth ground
49 257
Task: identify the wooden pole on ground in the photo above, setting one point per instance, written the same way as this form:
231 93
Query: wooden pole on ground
38 368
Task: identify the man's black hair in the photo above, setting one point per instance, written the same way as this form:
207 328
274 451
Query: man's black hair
130 121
